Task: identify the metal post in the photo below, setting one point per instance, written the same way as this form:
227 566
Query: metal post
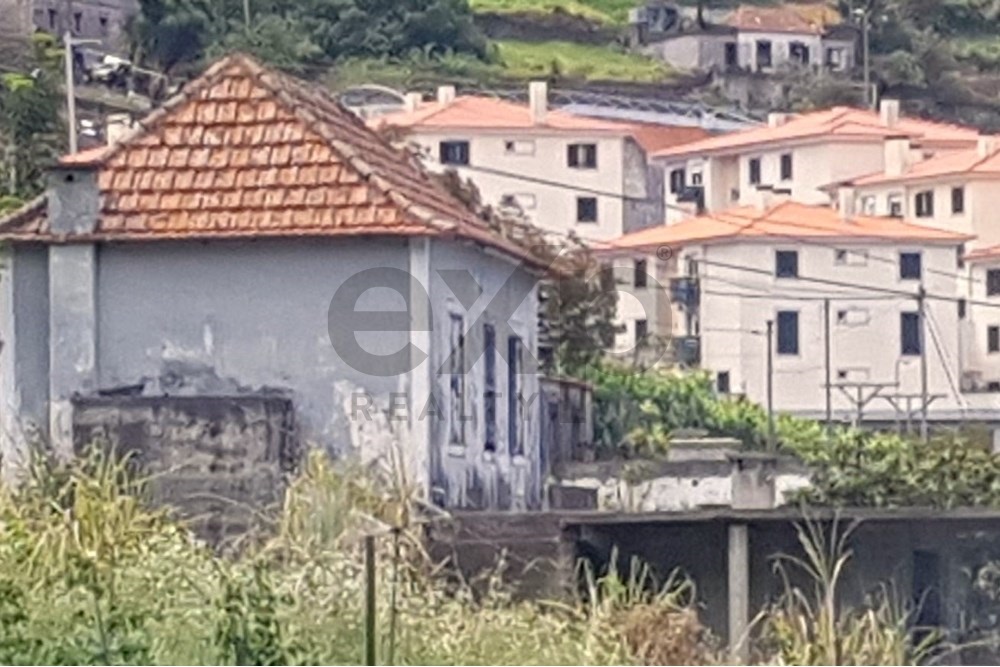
369 599
924 399
869 98
738 580
246 13
70 90
826 343
770 387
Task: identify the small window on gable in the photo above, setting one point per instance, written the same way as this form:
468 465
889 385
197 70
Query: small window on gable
786 264
923 203
676 181
586 209
581 156
909 266
696 178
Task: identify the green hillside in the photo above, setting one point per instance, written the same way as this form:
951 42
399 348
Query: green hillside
609 12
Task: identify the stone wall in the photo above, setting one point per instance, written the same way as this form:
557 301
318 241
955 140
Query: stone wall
217 461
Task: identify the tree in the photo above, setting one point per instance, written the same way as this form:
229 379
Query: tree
31 130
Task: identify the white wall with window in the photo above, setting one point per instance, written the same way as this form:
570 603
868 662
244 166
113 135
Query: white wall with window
874 336
981 325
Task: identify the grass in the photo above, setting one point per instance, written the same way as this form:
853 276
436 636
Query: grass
525 60
608 12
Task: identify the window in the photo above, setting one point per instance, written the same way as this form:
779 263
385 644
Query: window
923 202
763 53
847 257
853 317
77 22
993 339
53 18
515 402
909 333
730 55
788 332
453 152
641 331
786 167
962 305
722 382
582 156
696 178
103 23
992 282
640 273
895 205
958 200
586 209
754 166
456 405
676 181
909 266
519 147
490 386
835 57
799 53
960 256
786 264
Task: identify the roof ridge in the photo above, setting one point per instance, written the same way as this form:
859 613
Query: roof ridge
33 205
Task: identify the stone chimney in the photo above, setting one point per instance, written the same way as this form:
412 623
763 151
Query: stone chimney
116 127
888 111
538 101
776 119
986 145
845 202
74 202
446 95
412 101
897 156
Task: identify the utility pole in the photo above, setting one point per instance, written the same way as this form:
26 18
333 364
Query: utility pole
70 90
826 345
869 101
370 610
771 445
246 13
924 399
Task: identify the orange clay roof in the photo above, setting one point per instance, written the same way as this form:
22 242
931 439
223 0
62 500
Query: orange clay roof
809 19
840 122
958 163
784 220
470 112
247 152
988 254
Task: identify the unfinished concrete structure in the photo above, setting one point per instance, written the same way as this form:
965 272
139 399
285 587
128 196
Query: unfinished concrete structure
252 237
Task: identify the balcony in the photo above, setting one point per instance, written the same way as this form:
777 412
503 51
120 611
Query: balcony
687 350
684 291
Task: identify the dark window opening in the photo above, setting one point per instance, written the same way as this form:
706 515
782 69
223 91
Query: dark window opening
993 339
641 331
454 152
926 593
763 53
456 412
909 266
788 332
786 167
992 282
677 181
53 19
731 58
515 401
582 156
722 382
958 200
754 171
909 334
924 204
77 22
962 306
490 386
640 273
786 264
799 53
586 209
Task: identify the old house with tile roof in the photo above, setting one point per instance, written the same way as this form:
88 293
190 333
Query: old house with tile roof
252 237
564 172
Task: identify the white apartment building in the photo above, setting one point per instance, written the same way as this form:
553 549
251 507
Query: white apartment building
957 190
794 155
735 271
566 173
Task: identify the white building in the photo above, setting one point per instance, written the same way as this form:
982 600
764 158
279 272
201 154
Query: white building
798 155
566 173
737 270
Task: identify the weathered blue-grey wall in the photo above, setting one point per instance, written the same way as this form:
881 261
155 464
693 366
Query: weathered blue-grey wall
467 475
232 317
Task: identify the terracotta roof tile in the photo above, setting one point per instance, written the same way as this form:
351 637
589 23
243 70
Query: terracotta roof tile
957 163
244 151
804 19
784 220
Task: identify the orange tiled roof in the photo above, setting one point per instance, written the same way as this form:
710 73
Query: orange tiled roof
968 162
471 112
987 254
841 122
247 152
809 19
787 219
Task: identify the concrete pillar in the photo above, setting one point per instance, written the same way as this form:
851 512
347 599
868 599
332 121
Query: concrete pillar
420 379
738 566
72 337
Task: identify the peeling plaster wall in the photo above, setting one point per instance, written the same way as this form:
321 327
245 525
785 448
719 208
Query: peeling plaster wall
224 318
468 475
